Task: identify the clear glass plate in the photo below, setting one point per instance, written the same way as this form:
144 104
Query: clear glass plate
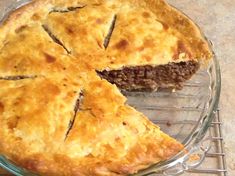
185 114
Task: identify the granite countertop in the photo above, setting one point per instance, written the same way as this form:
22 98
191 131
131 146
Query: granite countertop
217 20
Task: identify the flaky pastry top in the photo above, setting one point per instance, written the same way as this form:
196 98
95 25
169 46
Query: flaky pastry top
57 116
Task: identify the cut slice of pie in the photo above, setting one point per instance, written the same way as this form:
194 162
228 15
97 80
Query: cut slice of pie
58 116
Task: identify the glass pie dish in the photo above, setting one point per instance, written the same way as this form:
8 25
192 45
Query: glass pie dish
185 115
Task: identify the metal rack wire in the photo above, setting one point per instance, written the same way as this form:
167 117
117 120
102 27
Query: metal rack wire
216 155
214 163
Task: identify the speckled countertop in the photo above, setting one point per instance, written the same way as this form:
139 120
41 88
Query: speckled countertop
217 20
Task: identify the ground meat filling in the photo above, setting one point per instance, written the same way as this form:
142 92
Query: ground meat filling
150 77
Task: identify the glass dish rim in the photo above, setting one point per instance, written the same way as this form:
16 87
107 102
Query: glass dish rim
192 140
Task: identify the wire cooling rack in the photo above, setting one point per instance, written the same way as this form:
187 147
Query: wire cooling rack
215 161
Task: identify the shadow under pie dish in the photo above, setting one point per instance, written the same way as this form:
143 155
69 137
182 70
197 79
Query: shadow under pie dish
59 113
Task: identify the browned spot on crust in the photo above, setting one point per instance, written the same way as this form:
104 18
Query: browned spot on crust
133 21
97 4
122 44
148 43
83 31
69 30
31 164
35 17
13 123
176 55
53 89
22 36
21 28
147 58
49 58
181 48
117 139
113 6
40 45
141 48
146 14
201 46
182 22
99 21
1 108
163 13
17 102
165 26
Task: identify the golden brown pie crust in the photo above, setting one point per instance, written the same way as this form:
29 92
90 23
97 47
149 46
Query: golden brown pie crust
49 53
